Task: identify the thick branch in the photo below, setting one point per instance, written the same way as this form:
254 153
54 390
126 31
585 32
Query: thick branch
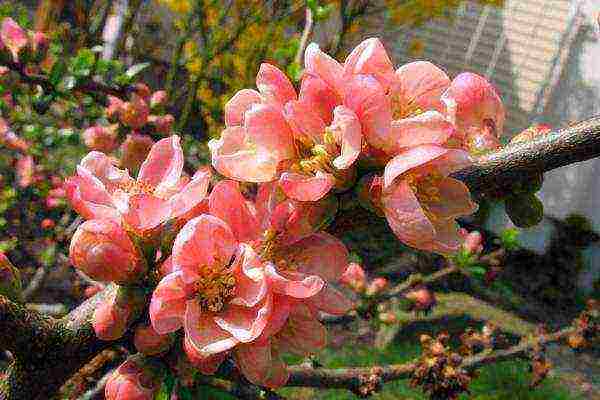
353 378
497 173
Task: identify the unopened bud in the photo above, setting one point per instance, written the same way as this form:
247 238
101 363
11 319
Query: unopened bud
10 279
115 106
162 123
473 242
113 315
376 286
354 277
104 252
39 45
135 112
158 99
47 224
388 317
423 299
138 378
149 342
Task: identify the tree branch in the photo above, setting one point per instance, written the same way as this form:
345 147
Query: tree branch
354 378
497 173
306 33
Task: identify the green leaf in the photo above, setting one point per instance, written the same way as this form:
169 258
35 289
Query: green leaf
477 270
136 69
58 71
510 239
83 63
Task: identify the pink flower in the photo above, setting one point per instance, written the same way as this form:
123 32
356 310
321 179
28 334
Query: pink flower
101 138
376 286
305 141
421 202
476 110
104 252
158 98
240 272
397 109
136 379
160 193
473 242
111 318
149 342
354 277
13 37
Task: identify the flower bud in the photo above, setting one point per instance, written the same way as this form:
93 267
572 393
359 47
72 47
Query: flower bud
473 242
162 123
388 317
47 224
158 98
134 150
354 277
104 252
148 341
422 298
92 290
13 37
10 279
39 45
25 168
136 379
115 106
113 315
101 138
376 286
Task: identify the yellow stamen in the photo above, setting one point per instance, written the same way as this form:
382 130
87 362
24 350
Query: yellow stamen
215 286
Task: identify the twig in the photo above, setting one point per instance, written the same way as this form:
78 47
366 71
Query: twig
353 378
113 29
54 310
97 392
308 26
36 283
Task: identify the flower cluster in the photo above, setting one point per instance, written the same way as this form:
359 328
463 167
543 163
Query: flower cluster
413 121
241 275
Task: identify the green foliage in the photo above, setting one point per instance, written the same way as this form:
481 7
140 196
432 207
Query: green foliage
510 239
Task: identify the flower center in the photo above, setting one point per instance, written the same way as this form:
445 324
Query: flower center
426 189
134 187
214 288
404 109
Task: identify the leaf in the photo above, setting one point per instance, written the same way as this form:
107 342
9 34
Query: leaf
136 69
510 238
477 270
58 71
524 210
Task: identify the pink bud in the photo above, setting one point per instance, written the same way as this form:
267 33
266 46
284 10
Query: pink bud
111 318
101 138
104 252
13 37
25 167
134 113
53 202
377 286
47 223
423 299
149 342
388 317
134 150
158 98
58 192
136 379
12 141
142 90
473 242
354 277
10 279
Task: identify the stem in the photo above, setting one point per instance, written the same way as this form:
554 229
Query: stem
308 26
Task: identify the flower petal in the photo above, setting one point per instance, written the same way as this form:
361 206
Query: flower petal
90 199
203 241
370 58
405 215
250 279
421 84
297 285
261 364
238 105
101 167
163 166
332 301
430 127
243 323
191 195
205 337
227 203
454 200
320 254
347 132
167 306
321 97
410 159
303 334
267 129
308 127
306 188
274 85
146 212
206 365
319 64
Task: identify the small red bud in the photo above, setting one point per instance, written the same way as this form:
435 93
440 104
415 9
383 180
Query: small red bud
354 277
376 286
423 299
135 112
158 98
473 242
114 313
136 379
149 342
47 224
101 138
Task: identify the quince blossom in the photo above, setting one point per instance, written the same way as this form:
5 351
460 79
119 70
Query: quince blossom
246 276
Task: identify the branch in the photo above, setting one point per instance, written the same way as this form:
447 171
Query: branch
497 173
90 87
308 26
41 344
354 378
